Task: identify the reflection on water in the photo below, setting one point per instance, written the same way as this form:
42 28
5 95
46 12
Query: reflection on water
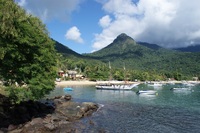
125 111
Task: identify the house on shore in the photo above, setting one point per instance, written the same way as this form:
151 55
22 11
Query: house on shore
71 74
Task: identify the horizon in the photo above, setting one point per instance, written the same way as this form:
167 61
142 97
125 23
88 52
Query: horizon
85 26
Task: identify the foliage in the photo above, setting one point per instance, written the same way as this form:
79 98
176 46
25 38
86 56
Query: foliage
27 53
142 61
154 61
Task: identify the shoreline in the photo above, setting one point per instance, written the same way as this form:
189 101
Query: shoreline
87 82
70 82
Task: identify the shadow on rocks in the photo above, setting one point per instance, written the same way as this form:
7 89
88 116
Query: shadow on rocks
54 115
16 114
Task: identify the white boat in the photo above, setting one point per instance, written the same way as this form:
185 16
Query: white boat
117 86
147 92
155 84
181 89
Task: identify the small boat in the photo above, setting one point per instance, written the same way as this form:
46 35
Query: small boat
181 89
67 89
147 92
155 84
117 87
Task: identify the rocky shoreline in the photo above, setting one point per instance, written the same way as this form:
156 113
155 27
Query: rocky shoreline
53 115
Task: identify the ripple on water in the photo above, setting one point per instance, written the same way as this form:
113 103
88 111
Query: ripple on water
129 118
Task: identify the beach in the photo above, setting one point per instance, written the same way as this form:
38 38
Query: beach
70 82
87 82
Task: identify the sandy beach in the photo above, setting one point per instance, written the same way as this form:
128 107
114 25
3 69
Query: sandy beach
81 82
87 82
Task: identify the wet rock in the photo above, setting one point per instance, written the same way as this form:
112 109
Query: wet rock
38 117
67 97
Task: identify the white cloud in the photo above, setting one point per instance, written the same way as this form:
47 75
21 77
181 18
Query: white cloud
49 9
74 34
105 21
169 23
120 7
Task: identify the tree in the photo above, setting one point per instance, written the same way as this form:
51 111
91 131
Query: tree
27 53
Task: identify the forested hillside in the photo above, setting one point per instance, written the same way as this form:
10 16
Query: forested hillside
195 48
144 57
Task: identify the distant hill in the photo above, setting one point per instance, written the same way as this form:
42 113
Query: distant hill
136 56
195 48
152 46
144 56
65 50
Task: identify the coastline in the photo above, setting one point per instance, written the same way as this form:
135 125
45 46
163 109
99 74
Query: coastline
87 82
70 82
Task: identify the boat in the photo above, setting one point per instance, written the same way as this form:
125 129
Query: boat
117 86
67 89
181 89
155 84
147 92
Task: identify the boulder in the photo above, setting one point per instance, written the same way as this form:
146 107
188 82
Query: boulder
35 116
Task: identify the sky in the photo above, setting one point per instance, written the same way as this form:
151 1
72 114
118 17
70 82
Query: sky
86 26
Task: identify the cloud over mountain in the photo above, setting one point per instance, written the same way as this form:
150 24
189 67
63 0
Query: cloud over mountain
74 34
169 23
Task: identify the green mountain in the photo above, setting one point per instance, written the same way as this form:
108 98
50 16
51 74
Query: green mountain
195 48
144 56
69 59
138 56
65 50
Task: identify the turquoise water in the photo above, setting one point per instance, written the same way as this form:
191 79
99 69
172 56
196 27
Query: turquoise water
174 111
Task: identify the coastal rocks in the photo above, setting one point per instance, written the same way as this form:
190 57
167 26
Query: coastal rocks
30 116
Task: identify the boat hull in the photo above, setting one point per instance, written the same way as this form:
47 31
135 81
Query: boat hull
116 87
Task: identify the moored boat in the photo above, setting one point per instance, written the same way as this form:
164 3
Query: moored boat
147 92
67 89
155 84
117 86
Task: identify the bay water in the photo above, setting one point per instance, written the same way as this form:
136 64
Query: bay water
168 111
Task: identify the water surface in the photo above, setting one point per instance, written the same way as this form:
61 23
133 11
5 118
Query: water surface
125 111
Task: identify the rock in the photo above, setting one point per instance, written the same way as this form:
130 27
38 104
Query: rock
57 101
21 109
57 97
1 131
50 126
91 105
11 127
63 122
45 118
67 97
36 121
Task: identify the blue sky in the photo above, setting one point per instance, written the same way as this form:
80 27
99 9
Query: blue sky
89 25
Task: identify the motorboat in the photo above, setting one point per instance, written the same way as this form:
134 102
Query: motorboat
117 86
147 92
67 89
181 89
155 84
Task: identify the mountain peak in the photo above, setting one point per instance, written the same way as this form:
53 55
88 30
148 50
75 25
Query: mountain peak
123 37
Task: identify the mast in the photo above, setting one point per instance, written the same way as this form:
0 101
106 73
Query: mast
110 75
124 73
